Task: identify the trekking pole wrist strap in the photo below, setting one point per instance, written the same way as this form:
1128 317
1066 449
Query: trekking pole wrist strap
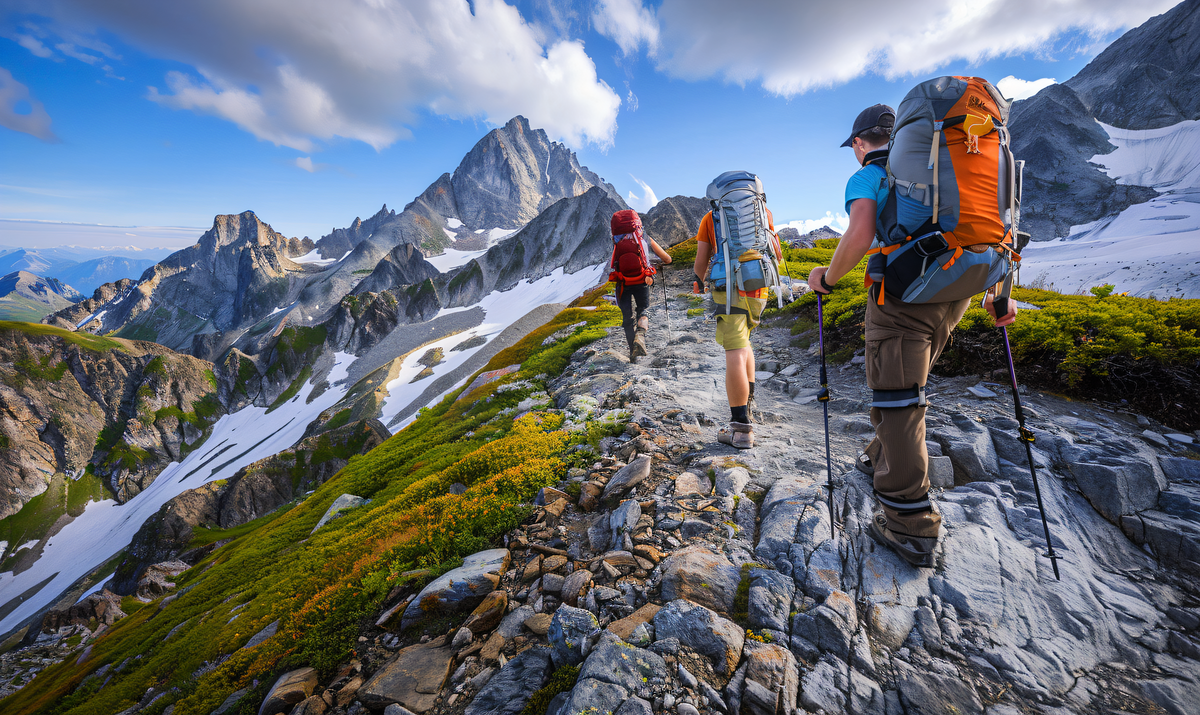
828 288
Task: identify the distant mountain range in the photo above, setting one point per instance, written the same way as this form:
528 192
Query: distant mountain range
25 296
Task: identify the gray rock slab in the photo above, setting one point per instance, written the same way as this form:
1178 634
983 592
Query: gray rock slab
342 503
624 666
508 691
412 678
701 576
460 589
1119 485
732 482
571 633
702 630
626 478
769 599
941 472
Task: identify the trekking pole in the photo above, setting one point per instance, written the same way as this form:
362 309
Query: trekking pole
1000 303
823 398
666 310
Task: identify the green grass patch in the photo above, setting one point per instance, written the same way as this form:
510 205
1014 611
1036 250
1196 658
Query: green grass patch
560 681
86 341
339 419
292 389
323 586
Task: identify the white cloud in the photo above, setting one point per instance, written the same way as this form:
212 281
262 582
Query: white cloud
71 50
1015 89
35 122
647 200
837 222
34 45
301 72
628 23
791 47
306 163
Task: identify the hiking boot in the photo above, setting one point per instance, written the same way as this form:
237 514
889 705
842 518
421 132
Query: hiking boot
739 435
633 355
865 465
916 550
639 342
751 408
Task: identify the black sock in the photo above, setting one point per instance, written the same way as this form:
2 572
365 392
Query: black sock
751 390
740 414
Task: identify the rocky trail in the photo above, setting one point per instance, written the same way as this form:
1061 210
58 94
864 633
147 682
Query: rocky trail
678 575
688 577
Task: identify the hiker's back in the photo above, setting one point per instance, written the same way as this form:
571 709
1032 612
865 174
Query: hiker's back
946 230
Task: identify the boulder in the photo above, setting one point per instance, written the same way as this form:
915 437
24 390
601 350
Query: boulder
342 503
718 639
509 690
412 678
291 688
574 585
969 446
625 479
622 523
732 482
702 577
570 634
770 599
689 484
926 691
460 589
766 682
824 687
157 579
1119 485
488 613
612 674
625 627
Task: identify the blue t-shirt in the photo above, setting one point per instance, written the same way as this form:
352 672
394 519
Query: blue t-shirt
869 182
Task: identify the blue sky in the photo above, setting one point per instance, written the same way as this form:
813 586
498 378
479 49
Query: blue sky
133 112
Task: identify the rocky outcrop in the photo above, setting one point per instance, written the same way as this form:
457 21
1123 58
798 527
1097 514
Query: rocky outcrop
341 241
573 234
253 491
24 296
72 317
674 220
122 409
1145 79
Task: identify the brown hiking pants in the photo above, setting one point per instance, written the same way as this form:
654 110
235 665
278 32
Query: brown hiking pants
903 342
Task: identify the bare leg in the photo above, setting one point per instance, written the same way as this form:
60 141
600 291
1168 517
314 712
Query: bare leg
737 375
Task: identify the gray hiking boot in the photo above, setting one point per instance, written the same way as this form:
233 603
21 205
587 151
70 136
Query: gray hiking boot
739 435
916 550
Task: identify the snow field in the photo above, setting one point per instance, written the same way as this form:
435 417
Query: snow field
106 527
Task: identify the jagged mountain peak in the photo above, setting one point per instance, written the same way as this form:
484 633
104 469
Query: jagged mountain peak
511 175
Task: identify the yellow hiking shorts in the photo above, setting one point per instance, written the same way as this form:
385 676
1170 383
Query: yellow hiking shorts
733 331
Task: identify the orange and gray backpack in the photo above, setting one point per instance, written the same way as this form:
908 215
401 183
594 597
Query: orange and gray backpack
629 264
949 225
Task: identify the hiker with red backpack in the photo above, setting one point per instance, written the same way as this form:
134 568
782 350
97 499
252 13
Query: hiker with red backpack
935 205
633 274
737 249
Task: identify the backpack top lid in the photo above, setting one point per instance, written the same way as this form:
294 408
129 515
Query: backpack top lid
626 221
733 181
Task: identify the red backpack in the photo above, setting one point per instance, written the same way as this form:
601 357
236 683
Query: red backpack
629 264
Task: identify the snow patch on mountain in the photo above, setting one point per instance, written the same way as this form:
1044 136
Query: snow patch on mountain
1149 249
502 309
106 527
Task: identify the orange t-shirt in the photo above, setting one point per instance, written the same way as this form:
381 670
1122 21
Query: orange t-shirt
707 234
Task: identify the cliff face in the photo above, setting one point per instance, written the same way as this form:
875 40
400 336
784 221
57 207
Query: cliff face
1146 79
70 402
675 219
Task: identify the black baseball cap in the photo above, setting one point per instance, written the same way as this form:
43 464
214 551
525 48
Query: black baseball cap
879 115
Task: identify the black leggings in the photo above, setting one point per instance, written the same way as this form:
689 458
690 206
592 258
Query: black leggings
626 298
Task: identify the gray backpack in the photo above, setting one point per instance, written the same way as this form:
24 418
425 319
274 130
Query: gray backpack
745 245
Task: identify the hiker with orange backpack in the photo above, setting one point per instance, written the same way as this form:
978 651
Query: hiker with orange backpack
926 206
738 251
633 274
